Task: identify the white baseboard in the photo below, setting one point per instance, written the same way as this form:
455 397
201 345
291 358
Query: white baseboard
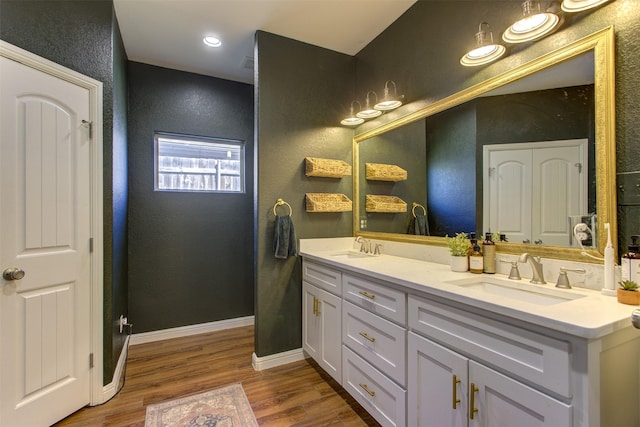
273 360
110 390
184 331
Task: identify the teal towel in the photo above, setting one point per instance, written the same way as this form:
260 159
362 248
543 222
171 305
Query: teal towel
284 237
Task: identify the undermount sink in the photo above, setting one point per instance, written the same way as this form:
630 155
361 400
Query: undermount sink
516 291
351 255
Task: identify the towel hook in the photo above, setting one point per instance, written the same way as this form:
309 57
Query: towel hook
281 202
416 205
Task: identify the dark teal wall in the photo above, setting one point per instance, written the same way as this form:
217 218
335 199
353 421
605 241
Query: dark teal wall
301 92
190 254
81 35
422 49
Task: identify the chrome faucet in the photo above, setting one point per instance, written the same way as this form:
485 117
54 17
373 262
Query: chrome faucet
536 267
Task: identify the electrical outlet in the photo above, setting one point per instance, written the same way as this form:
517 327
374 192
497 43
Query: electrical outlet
121 322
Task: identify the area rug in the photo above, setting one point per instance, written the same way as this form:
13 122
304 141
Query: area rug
223 407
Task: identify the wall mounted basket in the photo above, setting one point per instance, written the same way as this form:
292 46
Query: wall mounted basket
384 204
328 202
326 168
381 172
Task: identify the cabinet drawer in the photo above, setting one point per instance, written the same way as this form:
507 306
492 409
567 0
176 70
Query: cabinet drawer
376 340
377 394
525 354
322 276
382 300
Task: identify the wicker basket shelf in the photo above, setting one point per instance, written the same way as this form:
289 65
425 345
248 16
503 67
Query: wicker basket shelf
381 172
328 202
384 204
326 168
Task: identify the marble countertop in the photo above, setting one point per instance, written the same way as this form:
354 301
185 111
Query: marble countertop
591 315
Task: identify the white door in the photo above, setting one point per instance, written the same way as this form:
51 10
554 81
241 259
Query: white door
509 194
496 400
437 385
45 220
559 191
531 189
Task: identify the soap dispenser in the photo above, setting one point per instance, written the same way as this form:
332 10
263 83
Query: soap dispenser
631 261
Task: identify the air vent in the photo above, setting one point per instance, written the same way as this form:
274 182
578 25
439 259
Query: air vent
248 62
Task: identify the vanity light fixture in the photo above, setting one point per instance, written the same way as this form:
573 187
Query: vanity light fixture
389 102
486 50
352 120
369 112
212 41
581 5
534 25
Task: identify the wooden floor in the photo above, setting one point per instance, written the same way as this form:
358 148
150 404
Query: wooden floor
296 394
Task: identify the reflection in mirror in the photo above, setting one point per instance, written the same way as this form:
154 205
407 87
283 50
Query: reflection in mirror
539 128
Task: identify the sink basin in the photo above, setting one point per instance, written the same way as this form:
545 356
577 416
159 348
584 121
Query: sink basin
516 291
351 255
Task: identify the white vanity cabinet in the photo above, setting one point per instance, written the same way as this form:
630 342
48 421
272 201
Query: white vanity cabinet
449 389
321 317
374 355
416 354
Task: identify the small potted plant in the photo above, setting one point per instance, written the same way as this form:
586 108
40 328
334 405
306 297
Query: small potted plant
628 292
459 248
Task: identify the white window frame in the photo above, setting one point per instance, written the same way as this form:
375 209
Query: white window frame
197 164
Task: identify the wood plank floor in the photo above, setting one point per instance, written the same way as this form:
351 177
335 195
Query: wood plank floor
296 394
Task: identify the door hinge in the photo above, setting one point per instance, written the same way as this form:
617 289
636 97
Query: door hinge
90 360
88 124
91 244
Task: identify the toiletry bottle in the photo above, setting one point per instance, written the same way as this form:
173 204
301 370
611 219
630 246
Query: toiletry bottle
476 260
489 254
631 261
472 240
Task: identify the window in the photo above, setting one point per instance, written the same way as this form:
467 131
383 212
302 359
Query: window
193 163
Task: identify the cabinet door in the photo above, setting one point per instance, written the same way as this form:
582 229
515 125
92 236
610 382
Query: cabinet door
321 328
310 322
499 401
330 313
437 385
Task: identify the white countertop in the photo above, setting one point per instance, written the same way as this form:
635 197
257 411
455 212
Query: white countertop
591 316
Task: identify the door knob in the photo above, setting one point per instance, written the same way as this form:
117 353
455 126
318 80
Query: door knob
13 273
635 318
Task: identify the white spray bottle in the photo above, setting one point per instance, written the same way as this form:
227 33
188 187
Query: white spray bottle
609 265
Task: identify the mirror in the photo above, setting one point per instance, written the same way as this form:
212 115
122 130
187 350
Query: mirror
588 104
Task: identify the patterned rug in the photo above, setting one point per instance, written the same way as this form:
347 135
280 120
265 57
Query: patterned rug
223 407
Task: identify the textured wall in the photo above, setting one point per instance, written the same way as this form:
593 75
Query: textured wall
422 49
190 254
298 87
80 35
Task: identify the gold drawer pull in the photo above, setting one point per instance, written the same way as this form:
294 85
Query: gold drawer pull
367 337
472 406
371 393
456 381
367 295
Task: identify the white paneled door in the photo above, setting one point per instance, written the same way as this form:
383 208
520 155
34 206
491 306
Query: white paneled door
531 189
45 230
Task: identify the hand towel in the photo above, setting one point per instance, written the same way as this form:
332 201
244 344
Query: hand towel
284 237
421 227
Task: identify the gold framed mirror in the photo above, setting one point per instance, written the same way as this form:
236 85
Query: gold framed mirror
599 45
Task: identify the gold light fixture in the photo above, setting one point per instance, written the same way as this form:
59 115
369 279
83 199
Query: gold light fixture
534 25
352 120
389 102
369 112
581 5
486 50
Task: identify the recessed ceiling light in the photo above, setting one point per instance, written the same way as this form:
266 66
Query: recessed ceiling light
212 41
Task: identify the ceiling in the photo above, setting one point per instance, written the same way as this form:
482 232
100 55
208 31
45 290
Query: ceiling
169 33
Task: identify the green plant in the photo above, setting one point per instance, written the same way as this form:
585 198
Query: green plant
458 245
628 285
